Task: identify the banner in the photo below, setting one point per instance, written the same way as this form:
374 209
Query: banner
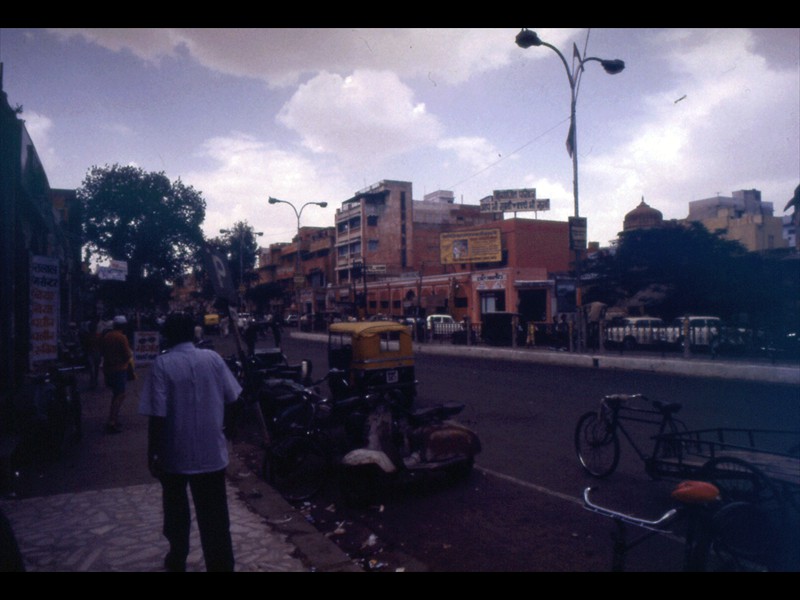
44 305
482 246
514 201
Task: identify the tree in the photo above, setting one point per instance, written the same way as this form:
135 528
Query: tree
241 248
690 270
146 220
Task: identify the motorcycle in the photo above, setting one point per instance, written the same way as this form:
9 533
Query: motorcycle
404 444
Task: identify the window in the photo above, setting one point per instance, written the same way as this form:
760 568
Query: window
372 220
372 245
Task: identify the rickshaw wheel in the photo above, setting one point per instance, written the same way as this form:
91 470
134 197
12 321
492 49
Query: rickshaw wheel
596 444
748 525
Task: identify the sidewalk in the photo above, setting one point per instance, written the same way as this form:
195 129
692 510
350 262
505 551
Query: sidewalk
97 509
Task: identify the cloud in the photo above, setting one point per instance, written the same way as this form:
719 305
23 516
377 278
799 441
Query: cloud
446 56
39 127
476 152
362 118
245 172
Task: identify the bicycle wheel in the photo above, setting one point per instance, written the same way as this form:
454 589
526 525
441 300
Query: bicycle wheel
747 527
297 466
597 445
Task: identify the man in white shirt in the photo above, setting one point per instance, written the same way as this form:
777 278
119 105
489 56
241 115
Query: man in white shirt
185 397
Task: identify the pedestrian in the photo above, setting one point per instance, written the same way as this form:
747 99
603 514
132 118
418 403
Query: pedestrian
117 359
251 337
185 398
275 327
92 343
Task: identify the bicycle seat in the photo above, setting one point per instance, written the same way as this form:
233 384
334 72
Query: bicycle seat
695 492
667 409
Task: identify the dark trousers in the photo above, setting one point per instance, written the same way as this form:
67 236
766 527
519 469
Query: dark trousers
211 509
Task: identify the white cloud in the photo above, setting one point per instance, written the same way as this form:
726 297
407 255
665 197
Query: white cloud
39 127
476 152
446 56
362 118
246 172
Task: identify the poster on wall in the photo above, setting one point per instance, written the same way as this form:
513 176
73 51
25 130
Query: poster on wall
470 246
44 303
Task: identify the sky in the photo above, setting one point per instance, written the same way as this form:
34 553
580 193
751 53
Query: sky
309 115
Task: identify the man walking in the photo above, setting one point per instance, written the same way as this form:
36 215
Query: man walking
184 398
117 355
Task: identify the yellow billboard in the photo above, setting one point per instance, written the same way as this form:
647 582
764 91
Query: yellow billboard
481 246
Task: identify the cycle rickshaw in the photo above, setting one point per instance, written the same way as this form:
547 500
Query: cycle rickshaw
755 516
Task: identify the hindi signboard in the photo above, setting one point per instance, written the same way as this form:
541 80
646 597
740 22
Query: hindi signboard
146 346
44 302
117 270
520 200
482 246
577 233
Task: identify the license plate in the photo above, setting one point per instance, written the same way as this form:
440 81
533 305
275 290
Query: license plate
392 377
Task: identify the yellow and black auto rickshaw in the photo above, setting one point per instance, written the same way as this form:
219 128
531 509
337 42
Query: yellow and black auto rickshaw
372 356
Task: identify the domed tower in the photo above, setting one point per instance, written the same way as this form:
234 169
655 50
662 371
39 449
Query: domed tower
643 217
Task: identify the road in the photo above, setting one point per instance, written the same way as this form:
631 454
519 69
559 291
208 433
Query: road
521 509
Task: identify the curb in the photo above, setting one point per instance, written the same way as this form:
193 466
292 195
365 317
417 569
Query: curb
317 551
694 367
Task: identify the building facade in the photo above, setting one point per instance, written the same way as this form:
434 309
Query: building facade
742 217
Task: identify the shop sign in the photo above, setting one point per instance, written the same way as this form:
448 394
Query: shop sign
44 313
490 281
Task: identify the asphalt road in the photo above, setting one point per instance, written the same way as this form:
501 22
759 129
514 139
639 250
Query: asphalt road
521 509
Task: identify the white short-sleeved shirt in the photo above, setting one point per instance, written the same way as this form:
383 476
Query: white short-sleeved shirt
190 387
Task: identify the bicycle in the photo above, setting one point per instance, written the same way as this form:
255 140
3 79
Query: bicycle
597 434
719 535
54 415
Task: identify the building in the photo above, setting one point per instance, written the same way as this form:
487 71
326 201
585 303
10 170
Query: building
39 269
643 217
743 217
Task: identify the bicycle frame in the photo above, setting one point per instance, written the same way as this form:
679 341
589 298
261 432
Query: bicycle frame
620 412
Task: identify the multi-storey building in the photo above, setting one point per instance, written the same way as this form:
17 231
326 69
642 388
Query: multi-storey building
743 218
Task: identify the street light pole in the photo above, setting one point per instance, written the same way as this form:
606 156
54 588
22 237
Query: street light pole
297 214
241 250
525 39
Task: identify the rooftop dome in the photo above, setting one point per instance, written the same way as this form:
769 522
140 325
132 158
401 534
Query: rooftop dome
643 217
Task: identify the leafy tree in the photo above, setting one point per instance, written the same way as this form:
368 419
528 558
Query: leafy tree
692 271
146 220
240 246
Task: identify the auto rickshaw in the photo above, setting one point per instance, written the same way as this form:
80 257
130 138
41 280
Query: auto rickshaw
372 356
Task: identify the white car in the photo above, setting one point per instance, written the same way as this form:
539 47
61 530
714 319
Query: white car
442 325
704 332
635 331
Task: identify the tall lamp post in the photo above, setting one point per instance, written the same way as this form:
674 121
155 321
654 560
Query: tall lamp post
241 250
297 213
525 39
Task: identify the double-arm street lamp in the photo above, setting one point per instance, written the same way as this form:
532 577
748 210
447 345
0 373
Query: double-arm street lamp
297 273
525 39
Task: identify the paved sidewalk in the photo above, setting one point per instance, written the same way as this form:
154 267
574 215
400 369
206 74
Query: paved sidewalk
97 509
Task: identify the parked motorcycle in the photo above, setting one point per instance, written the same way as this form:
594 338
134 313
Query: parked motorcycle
403 444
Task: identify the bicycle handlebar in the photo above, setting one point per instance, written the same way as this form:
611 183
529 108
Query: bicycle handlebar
655 525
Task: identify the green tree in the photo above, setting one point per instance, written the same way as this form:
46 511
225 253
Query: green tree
684 269
147 220
240 246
